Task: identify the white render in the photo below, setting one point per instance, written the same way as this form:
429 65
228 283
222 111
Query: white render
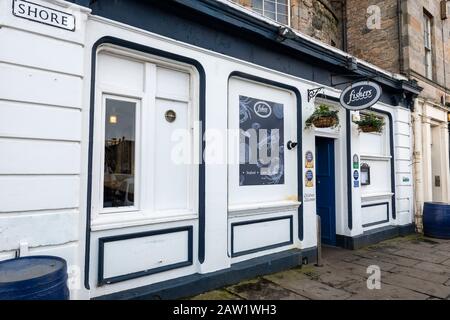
44 137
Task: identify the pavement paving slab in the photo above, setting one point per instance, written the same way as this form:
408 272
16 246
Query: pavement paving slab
422 255
426 287
421 274
302 285
216 295
390 258
433 267
263 289
386 292
412 268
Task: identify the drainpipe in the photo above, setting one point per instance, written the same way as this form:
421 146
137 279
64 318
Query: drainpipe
444 102
401 62
344 25
417 166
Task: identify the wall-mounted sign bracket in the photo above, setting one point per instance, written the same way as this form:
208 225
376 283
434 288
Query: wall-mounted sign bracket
312 93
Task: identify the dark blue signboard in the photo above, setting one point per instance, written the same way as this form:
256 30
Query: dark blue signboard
261 126
360 95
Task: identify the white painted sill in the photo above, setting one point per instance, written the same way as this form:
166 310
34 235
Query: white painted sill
263 207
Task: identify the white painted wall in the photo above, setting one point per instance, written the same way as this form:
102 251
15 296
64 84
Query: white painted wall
41 88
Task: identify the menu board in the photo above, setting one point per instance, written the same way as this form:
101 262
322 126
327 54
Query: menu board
261 151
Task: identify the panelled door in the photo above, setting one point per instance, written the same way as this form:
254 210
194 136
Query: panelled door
326 199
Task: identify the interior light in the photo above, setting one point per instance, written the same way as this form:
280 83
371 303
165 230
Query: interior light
113 119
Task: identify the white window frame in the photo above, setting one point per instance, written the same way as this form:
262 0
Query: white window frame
143 211
137 150
288 4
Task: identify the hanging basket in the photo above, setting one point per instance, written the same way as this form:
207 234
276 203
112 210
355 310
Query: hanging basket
324 122
368 129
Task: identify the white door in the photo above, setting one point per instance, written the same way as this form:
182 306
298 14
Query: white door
262 170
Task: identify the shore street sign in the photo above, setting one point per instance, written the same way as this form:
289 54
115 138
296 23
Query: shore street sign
360 95
42 14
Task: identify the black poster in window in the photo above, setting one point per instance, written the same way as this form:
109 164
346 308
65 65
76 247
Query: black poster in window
261 126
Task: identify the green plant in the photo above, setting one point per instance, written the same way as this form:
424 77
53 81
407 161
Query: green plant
370 123
323 117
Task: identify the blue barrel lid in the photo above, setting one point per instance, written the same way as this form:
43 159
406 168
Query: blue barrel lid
31 271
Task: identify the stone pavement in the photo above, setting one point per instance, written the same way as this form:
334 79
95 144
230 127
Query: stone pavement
412 268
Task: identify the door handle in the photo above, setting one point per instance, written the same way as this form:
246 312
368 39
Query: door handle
291 145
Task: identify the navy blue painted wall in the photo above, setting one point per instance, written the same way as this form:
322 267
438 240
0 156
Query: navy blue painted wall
176 21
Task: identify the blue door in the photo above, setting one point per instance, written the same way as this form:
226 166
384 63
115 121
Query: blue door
325 189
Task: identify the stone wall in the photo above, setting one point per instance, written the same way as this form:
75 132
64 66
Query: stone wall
381 46
320 19
414 47
377 46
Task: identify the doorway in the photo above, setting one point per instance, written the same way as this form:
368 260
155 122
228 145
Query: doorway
436 155
325 190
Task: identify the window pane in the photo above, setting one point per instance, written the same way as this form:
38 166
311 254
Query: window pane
269 7
281 18
282 9
257 4
120 130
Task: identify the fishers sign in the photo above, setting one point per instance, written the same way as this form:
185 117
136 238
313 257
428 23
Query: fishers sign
42 14
360 95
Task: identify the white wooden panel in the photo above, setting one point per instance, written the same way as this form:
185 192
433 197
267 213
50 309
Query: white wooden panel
403 128
140 254
23 193
374 214
39 157
403 153
403 192
171 83
171 169
30 85
380 177
403 166
260 235
8 19
372 143
38 230
120 72
39 51
7 255
36 121
403 205
402 141
403 115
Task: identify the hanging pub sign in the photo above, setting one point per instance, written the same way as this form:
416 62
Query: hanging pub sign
360 95
261 126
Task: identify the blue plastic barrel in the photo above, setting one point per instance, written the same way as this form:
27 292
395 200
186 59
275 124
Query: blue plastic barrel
34 278
436 220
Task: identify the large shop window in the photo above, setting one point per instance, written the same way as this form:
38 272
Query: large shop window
145 121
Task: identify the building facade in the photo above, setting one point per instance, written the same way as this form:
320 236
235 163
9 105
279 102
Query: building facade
118 122
405 37
412 38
